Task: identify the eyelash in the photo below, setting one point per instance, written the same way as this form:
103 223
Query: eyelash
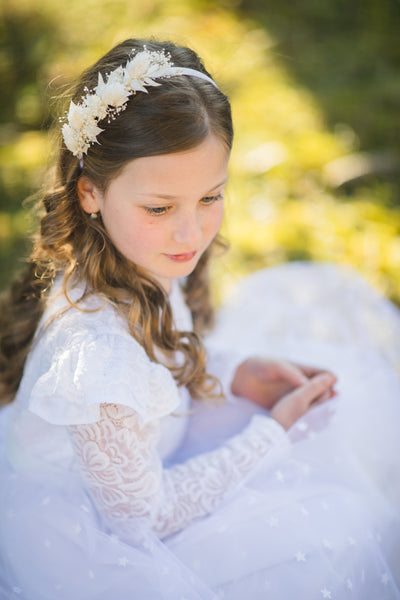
156 211
212 199
159 211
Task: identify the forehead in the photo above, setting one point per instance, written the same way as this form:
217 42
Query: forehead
202 165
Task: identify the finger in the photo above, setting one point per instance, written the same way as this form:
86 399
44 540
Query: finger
324 397
311 371
291 373
313 389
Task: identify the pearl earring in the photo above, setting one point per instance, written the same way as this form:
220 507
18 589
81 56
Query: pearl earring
93 216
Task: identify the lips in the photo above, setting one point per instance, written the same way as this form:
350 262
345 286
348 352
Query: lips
186 257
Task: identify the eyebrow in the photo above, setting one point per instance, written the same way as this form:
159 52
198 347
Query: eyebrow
172 197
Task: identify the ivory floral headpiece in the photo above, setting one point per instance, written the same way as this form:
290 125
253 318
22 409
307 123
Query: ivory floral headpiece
110 97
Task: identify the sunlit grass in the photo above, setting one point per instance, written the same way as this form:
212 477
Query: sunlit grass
279 206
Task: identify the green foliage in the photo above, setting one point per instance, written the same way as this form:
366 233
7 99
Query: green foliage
310 83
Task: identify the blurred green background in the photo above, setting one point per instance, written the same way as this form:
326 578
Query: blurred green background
315 89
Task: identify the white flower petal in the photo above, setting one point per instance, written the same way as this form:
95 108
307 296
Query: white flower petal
135 85
149 81
114 94
139 65
116 76
71 138
95 106
76 115
90 131
100 85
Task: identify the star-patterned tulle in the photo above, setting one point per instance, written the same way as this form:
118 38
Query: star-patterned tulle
108 472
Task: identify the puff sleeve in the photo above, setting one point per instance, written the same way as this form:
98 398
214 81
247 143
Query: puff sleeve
93 369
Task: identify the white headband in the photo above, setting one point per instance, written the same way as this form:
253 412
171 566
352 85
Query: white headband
109 98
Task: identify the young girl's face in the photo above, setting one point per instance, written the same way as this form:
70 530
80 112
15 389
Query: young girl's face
162 212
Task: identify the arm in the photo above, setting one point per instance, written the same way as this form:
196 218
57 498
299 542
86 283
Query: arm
124 474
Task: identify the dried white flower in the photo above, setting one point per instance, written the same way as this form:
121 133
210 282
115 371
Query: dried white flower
111 95
72 141
91 131
76 115
117 76
96 107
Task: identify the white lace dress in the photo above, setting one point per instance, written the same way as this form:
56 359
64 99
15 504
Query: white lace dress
113 485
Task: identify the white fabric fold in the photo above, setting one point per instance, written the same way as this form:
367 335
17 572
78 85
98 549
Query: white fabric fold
71 391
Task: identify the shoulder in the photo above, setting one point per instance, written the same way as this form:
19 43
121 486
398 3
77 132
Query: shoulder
78 313
83 359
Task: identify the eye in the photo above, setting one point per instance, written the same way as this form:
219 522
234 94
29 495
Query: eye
156 210
211 199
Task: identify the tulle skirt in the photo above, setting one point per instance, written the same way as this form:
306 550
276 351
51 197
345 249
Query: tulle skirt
323 522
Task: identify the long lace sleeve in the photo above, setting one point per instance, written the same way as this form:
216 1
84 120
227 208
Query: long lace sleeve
125 476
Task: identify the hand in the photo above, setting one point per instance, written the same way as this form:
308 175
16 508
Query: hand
294 405
266 381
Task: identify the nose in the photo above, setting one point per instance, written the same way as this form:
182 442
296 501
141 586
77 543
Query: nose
188 230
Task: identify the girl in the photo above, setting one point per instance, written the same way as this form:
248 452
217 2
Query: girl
114 484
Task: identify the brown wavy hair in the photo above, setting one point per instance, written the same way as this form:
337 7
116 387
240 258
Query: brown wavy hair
173 117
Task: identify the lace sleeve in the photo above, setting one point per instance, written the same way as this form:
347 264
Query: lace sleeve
126 479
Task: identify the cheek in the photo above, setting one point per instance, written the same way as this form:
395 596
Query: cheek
148 236
129 234
215 220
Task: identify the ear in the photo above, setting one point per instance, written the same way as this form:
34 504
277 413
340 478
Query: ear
88 195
